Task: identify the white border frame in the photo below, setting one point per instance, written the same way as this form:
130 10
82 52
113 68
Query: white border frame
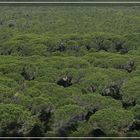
70 138
69 2
83 2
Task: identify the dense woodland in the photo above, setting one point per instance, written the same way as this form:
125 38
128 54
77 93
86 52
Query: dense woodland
69 71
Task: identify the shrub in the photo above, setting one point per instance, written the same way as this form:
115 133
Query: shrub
15 120
66 117
95 102
130 92
29 72
112 121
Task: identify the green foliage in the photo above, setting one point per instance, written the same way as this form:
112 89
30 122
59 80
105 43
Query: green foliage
131 91
96 102
93 50
112 121
40 105
66 117
6 94
83 129
15 120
